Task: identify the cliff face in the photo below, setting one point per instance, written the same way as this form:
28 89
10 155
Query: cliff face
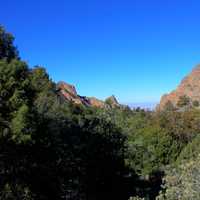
68 93
189 87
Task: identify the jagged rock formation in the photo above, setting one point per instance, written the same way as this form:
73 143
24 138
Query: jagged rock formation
189 87
112 101
68 93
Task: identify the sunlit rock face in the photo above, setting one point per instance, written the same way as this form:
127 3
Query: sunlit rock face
189 86
69 93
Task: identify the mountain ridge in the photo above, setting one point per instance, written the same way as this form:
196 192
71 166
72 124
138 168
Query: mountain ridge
188 89
69 93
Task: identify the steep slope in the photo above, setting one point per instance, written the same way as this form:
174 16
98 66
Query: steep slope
188 88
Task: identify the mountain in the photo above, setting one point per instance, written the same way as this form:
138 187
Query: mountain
68 93
187 93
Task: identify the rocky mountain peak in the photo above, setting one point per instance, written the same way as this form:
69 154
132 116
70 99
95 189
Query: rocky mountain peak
68 93
112 101
67 87
189 88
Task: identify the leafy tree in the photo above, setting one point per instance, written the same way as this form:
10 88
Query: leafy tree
20 125
151 150
7 48
183 126
190 151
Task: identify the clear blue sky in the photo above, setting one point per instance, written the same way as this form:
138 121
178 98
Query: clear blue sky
135 49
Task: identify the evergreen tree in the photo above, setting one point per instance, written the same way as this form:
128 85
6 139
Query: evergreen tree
7 49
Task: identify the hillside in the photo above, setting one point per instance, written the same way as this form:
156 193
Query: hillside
188 91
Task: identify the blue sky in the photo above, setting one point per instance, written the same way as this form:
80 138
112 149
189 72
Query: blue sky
135 49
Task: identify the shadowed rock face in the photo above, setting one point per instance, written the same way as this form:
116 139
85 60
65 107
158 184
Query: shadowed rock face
189 86
69 93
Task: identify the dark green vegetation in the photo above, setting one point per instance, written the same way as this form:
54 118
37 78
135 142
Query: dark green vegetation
50 149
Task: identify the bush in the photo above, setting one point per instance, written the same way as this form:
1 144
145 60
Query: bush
183 182
183 101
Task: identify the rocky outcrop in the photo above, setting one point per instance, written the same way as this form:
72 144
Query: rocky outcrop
96 102
67 88
189 87
112 101
68 93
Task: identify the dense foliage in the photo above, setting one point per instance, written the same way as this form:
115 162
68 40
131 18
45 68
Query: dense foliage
7 49
52 149
182 183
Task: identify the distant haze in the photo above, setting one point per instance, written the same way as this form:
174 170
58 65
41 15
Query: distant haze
144 105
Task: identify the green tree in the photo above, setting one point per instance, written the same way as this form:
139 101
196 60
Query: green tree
190 151
20 125
7 48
